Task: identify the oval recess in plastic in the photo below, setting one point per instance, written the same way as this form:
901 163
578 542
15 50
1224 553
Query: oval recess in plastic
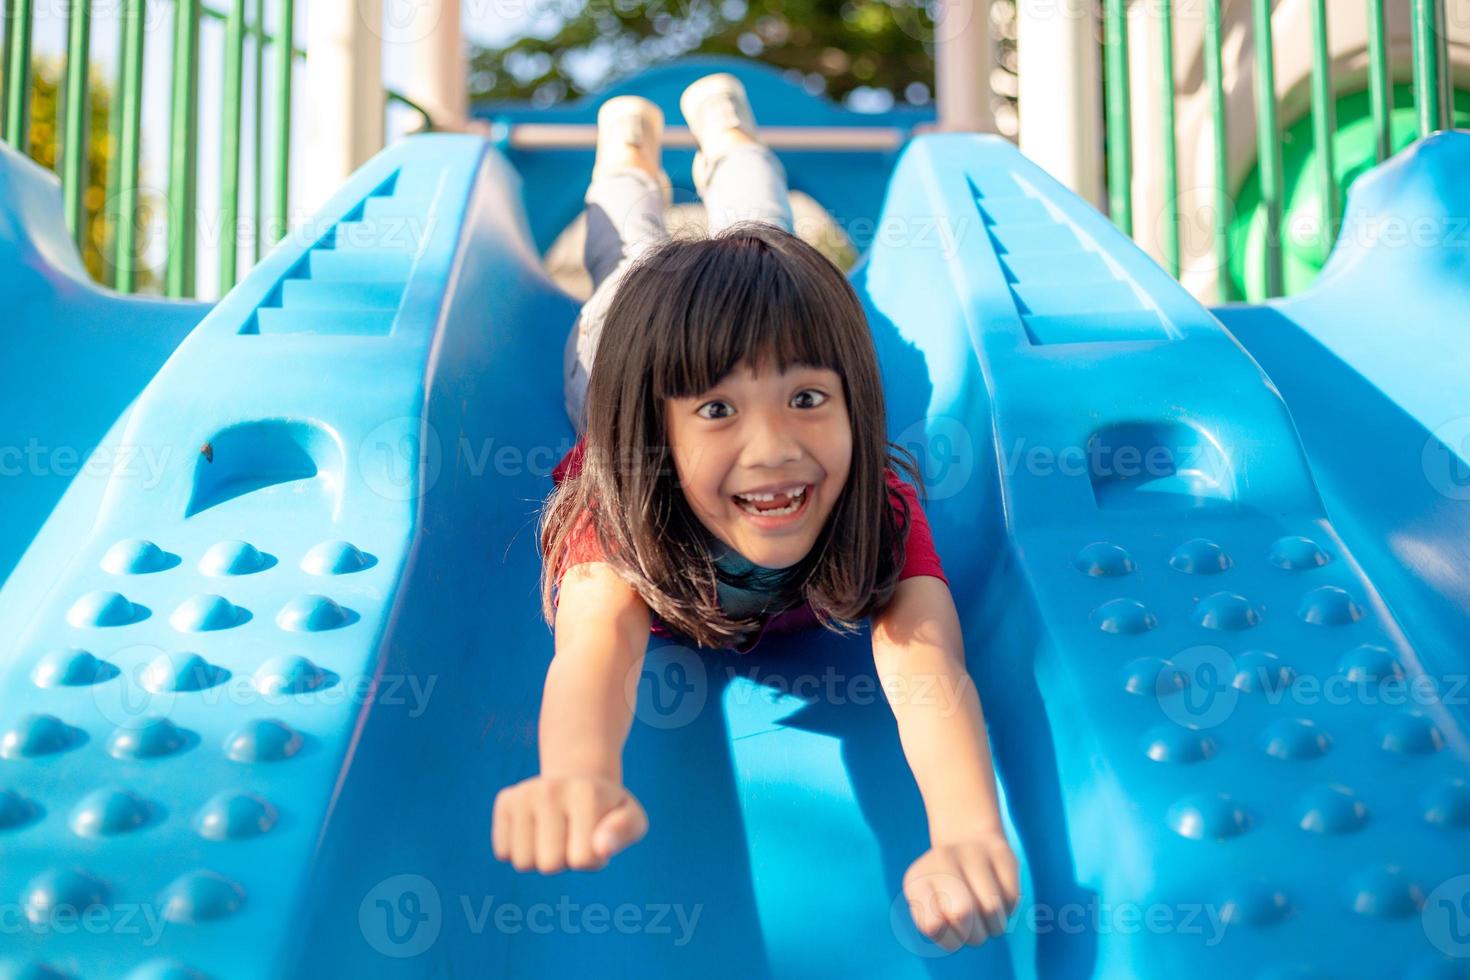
1158 465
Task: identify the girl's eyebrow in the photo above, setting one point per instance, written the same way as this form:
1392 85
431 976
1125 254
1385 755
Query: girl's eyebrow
816 376
803 378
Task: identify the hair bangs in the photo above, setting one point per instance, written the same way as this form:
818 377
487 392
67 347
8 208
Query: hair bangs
741 304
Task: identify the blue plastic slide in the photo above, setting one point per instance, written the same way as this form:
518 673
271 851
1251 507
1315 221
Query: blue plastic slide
257 697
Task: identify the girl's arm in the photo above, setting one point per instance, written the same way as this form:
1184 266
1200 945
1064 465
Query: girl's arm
967 883
576 813
601 634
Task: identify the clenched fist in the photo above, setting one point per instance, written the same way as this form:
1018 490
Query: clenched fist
551 823
962 892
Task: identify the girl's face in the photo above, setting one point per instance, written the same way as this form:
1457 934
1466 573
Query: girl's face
786 434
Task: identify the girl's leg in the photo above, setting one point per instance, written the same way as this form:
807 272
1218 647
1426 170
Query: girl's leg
747 183
625 218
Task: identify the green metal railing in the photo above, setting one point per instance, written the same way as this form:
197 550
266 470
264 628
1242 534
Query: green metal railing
124 209
1119 116
1268 145
1433 100
1215 81
1380 85
19 17
1171 145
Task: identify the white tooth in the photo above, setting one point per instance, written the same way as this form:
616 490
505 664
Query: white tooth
770 496
790 508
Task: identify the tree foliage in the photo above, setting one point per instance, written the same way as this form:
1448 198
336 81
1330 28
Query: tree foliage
835 46
45 147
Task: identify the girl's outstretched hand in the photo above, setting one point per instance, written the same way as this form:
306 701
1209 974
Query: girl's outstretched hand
963 891
551 823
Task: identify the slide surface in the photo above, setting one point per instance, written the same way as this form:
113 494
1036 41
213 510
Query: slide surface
256 709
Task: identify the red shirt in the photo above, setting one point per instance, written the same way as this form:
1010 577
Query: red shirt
920 558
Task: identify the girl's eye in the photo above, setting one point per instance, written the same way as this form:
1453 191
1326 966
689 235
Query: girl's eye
819 395
704 415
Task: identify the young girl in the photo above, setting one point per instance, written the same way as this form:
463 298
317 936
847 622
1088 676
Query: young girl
734 478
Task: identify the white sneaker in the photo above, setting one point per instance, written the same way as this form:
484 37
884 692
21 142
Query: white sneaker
630 120
713 106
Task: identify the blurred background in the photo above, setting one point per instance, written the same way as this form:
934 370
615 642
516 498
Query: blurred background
866 54
1229 168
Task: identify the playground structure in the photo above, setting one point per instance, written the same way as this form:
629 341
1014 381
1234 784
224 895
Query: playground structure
1308 237
1274 109
272 654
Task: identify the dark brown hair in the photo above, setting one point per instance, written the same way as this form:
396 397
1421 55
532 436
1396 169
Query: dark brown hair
683 317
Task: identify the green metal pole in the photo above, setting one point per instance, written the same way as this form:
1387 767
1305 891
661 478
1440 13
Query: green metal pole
1324 126
1215 81
114 142
1380 84
130 92
1171 153
5 6
1428 88
229 180
18 76
1269 144
1446 67
1119 124
183 150
257 115
74 151
285 45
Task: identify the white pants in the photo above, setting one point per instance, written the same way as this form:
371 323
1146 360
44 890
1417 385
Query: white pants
625 218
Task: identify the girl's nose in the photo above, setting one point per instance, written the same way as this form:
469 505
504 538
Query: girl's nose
770 444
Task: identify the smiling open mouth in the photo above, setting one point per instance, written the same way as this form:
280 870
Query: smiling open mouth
773 504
